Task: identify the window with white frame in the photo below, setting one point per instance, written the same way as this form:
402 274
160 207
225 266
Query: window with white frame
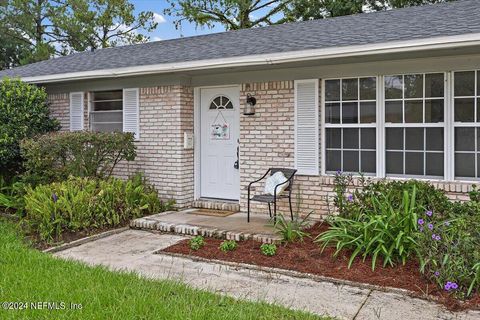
414 125
350 125
106 111
467 124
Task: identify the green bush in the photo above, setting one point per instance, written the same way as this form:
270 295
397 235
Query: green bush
268 249
228 245
56 156
86 203
196 243
291 230
449 247
24 113
11 195
383 228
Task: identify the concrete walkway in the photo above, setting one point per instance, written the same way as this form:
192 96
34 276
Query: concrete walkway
133 250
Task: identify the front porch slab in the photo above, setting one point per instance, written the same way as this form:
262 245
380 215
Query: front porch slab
232 227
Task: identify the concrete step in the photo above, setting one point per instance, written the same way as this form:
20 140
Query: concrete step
216 205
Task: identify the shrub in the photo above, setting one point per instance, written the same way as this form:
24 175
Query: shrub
11 195
291 231
56 156
449 246
228 245
24 113
85 203
268 249
196 243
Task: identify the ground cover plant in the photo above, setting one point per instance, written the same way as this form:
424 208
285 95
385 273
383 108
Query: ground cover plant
268 249
108 295
87 203
228 245
197 243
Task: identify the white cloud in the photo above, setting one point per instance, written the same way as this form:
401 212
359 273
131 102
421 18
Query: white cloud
158 18
152 39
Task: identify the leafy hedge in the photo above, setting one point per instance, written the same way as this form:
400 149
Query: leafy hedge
56 156
24 113
87 203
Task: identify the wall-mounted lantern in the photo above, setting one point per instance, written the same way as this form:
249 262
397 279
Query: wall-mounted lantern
249 109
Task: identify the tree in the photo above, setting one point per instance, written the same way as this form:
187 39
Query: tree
60 27
93 24
24 113
231 14
319 9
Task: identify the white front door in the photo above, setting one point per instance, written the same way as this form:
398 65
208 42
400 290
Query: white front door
220 129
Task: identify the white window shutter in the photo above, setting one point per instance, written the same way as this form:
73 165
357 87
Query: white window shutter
76 111
131 111
306 127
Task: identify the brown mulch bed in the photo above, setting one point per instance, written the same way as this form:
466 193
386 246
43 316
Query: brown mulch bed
307 257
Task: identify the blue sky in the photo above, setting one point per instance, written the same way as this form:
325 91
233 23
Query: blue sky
166 28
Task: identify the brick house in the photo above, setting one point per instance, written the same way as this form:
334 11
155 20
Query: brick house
392 94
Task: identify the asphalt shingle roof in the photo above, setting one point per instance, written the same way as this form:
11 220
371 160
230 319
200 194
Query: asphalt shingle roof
445 19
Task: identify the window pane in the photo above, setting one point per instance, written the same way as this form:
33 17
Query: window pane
414 163
464 165
350 161
368 138
107 127
332 112
108 95
414 86
350 138
333 138
368 88
108 116
434 164
464 110
333 160
368 112
332 90
414 111
464 139
107 105
434 137
434 85
394 162
350 112
394 138
393 87
478 165
414 138
464 83
349 89
478 139
433 111
478 109
393 111
369 162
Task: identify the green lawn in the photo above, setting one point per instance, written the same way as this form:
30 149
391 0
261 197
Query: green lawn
27 275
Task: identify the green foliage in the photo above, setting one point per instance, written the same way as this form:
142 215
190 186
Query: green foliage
268 249
383 228
56 156
39 30
231 14
449 246
86 203
196 243
11 195
24 113
228 245
291 230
